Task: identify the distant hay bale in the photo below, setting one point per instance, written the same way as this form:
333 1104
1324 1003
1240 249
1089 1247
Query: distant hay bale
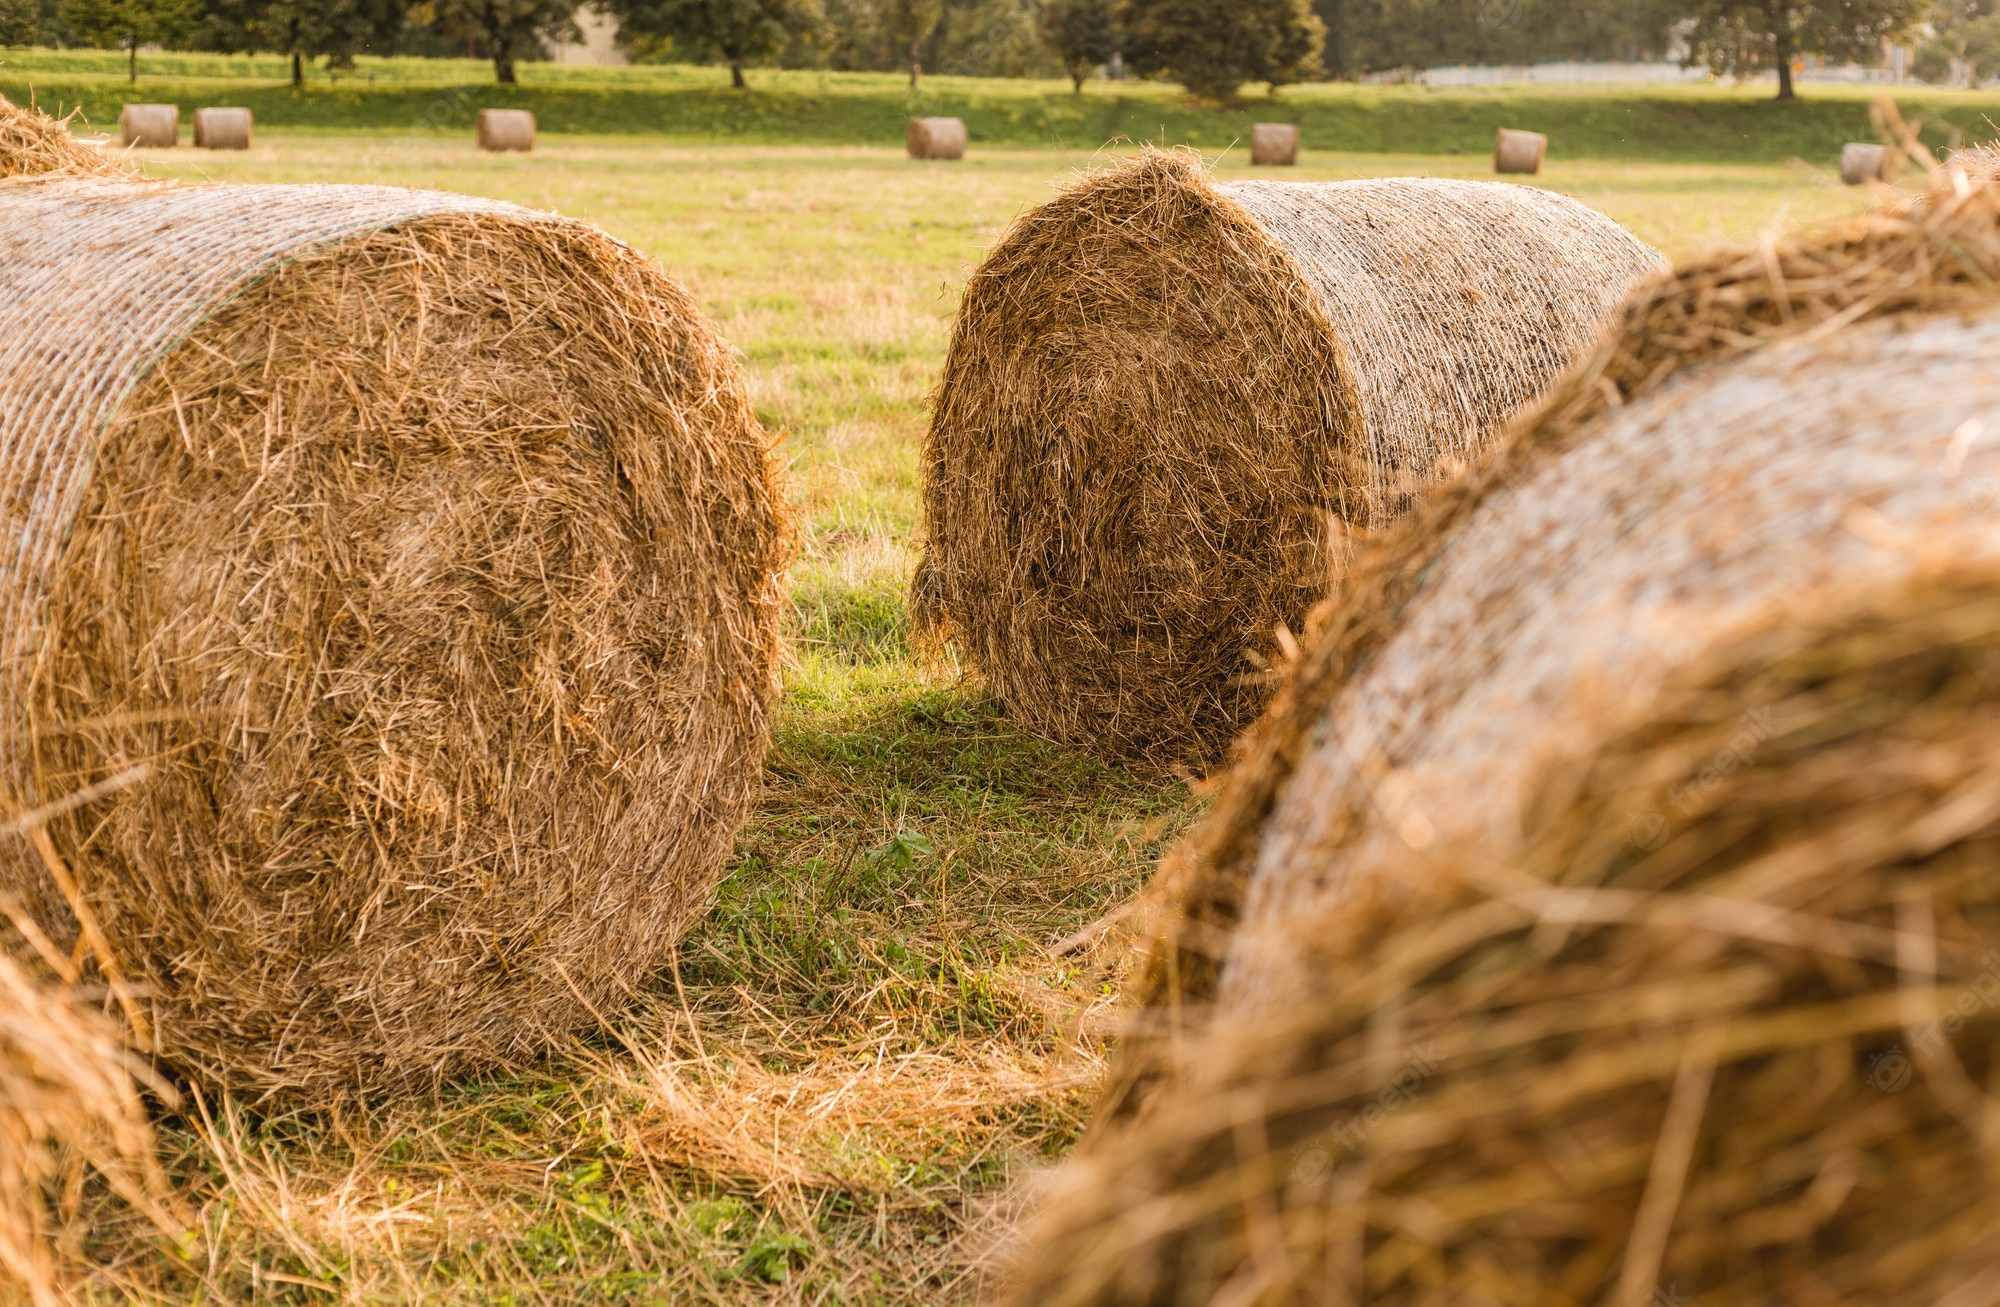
1745 1059
222 129
937 138
1519 152
1274 145
1166 401
1860 164
1701 646
1670 493
34 144
426 549
150 126
67 1102
504 130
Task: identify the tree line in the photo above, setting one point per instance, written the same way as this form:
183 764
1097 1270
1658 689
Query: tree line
1213 47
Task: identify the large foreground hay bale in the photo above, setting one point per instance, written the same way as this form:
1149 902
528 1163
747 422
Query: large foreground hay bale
424 550
150 126
936 138
222 129
1165 399
67 1102
505 130
1746 1059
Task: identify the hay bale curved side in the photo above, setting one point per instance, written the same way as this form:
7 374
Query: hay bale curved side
1160 393
426 550
67 1101
1746 1054
1940 257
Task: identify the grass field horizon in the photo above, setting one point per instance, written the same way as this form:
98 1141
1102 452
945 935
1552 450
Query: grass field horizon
1716 122
896 1014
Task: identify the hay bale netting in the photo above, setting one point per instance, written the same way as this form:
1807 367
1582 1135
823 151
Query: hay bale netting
67 1102
1274 145
150 126
222 129
1860 164
1744 1058
1165 398
504 130
422 552
1519 152
936 138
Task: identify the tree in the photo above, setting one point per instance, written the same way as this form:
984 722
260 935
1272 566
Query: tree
910 22
1964 43
129 24
1213 47
738 30
508 30
20 22
1743 36
335 30
1083 33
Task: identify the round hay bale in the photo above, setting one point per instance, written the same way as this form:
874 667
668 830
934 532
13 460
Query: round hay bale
36 145
1519 152
1860 164
150 126
222 129
1274 145
1746 1059
67 1102
1666 495
937 138
1166 401
397 575
503 130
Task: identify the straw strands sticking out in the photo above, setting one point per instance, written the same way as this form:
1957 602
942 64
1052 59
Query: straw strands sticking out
1746 1057
1167 403
419 555
36 145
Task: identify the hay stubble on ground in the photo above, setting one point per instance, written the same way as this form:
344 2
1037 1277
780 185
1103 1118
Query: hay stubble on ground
882 1028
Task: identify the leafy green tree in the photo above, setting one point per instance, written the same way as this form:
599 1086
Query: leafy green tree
335 30
1746 36
508 30
1213 47
739 31
910 23
1083 33
1965 39
20 22
129 24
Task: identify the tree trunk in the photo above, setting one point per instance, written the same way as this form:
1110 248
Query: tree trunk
1781 40
736 77
503 62
916 61
132 69
298 70
1076 80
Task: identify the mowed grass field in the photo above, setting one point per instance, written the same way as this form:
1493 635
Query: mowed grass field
896 1016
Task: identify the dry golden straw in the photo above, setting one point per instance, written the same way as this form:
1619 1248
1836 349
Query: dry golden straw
67 1103
391 581
36 145
1167 402
1747 1059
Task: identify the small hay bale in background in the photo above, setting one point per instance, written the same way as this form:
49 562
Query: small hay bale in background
150 126
222 129
1686 653
1165 400
428 550
1519 152
67 1102
1861 163
505 130
1274 145
936 138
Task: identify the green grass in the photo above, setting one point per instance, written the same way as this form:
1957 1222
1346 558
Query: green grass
1719 124
897 1009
